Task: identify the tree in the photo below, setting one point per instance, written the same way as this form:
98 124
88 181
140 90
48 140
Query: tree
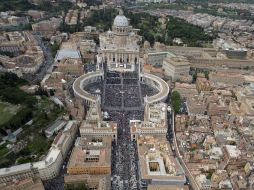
206 74
176 101
41 92
51 92
13 94
190 34
194 76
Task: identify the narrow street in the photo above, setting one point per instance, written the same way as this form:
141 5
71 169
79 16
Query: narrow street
124 158
49 60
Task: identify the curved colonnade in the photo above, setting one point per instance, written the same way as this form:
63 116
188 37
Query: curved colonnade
154 81
84 80
157 83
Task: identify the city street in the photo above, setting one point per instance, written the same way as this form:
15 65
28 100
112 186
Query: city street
190 179
46 65
124 157
58 182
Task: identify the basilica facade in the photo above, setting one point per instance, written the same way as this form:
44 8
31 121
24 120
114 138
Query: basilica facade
119 47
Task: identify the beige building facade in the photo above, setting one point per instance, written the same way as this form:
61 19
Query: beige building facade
119 48
175 67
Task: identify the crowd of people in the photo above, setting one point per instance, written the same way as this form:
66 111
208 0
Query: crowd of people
147 90
94 87
113 81
124 156
130 81
130 75
113 96
121 90
112 74
132 96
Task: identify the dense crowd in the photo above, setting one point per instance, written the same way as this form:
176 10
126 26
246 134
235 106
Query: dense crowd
121 90
130 75
113 96
113 81
112 74
130 81
124 156
132 96
94 87
90 67
147 90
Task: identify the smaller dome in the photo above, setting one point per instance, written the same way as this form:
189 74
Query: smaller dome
147 44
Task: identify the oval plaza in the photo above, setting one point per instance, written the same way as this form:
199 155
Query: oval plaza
98 76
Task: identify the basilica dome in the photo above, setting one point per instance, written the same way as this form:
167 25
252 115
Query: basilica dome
121 20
